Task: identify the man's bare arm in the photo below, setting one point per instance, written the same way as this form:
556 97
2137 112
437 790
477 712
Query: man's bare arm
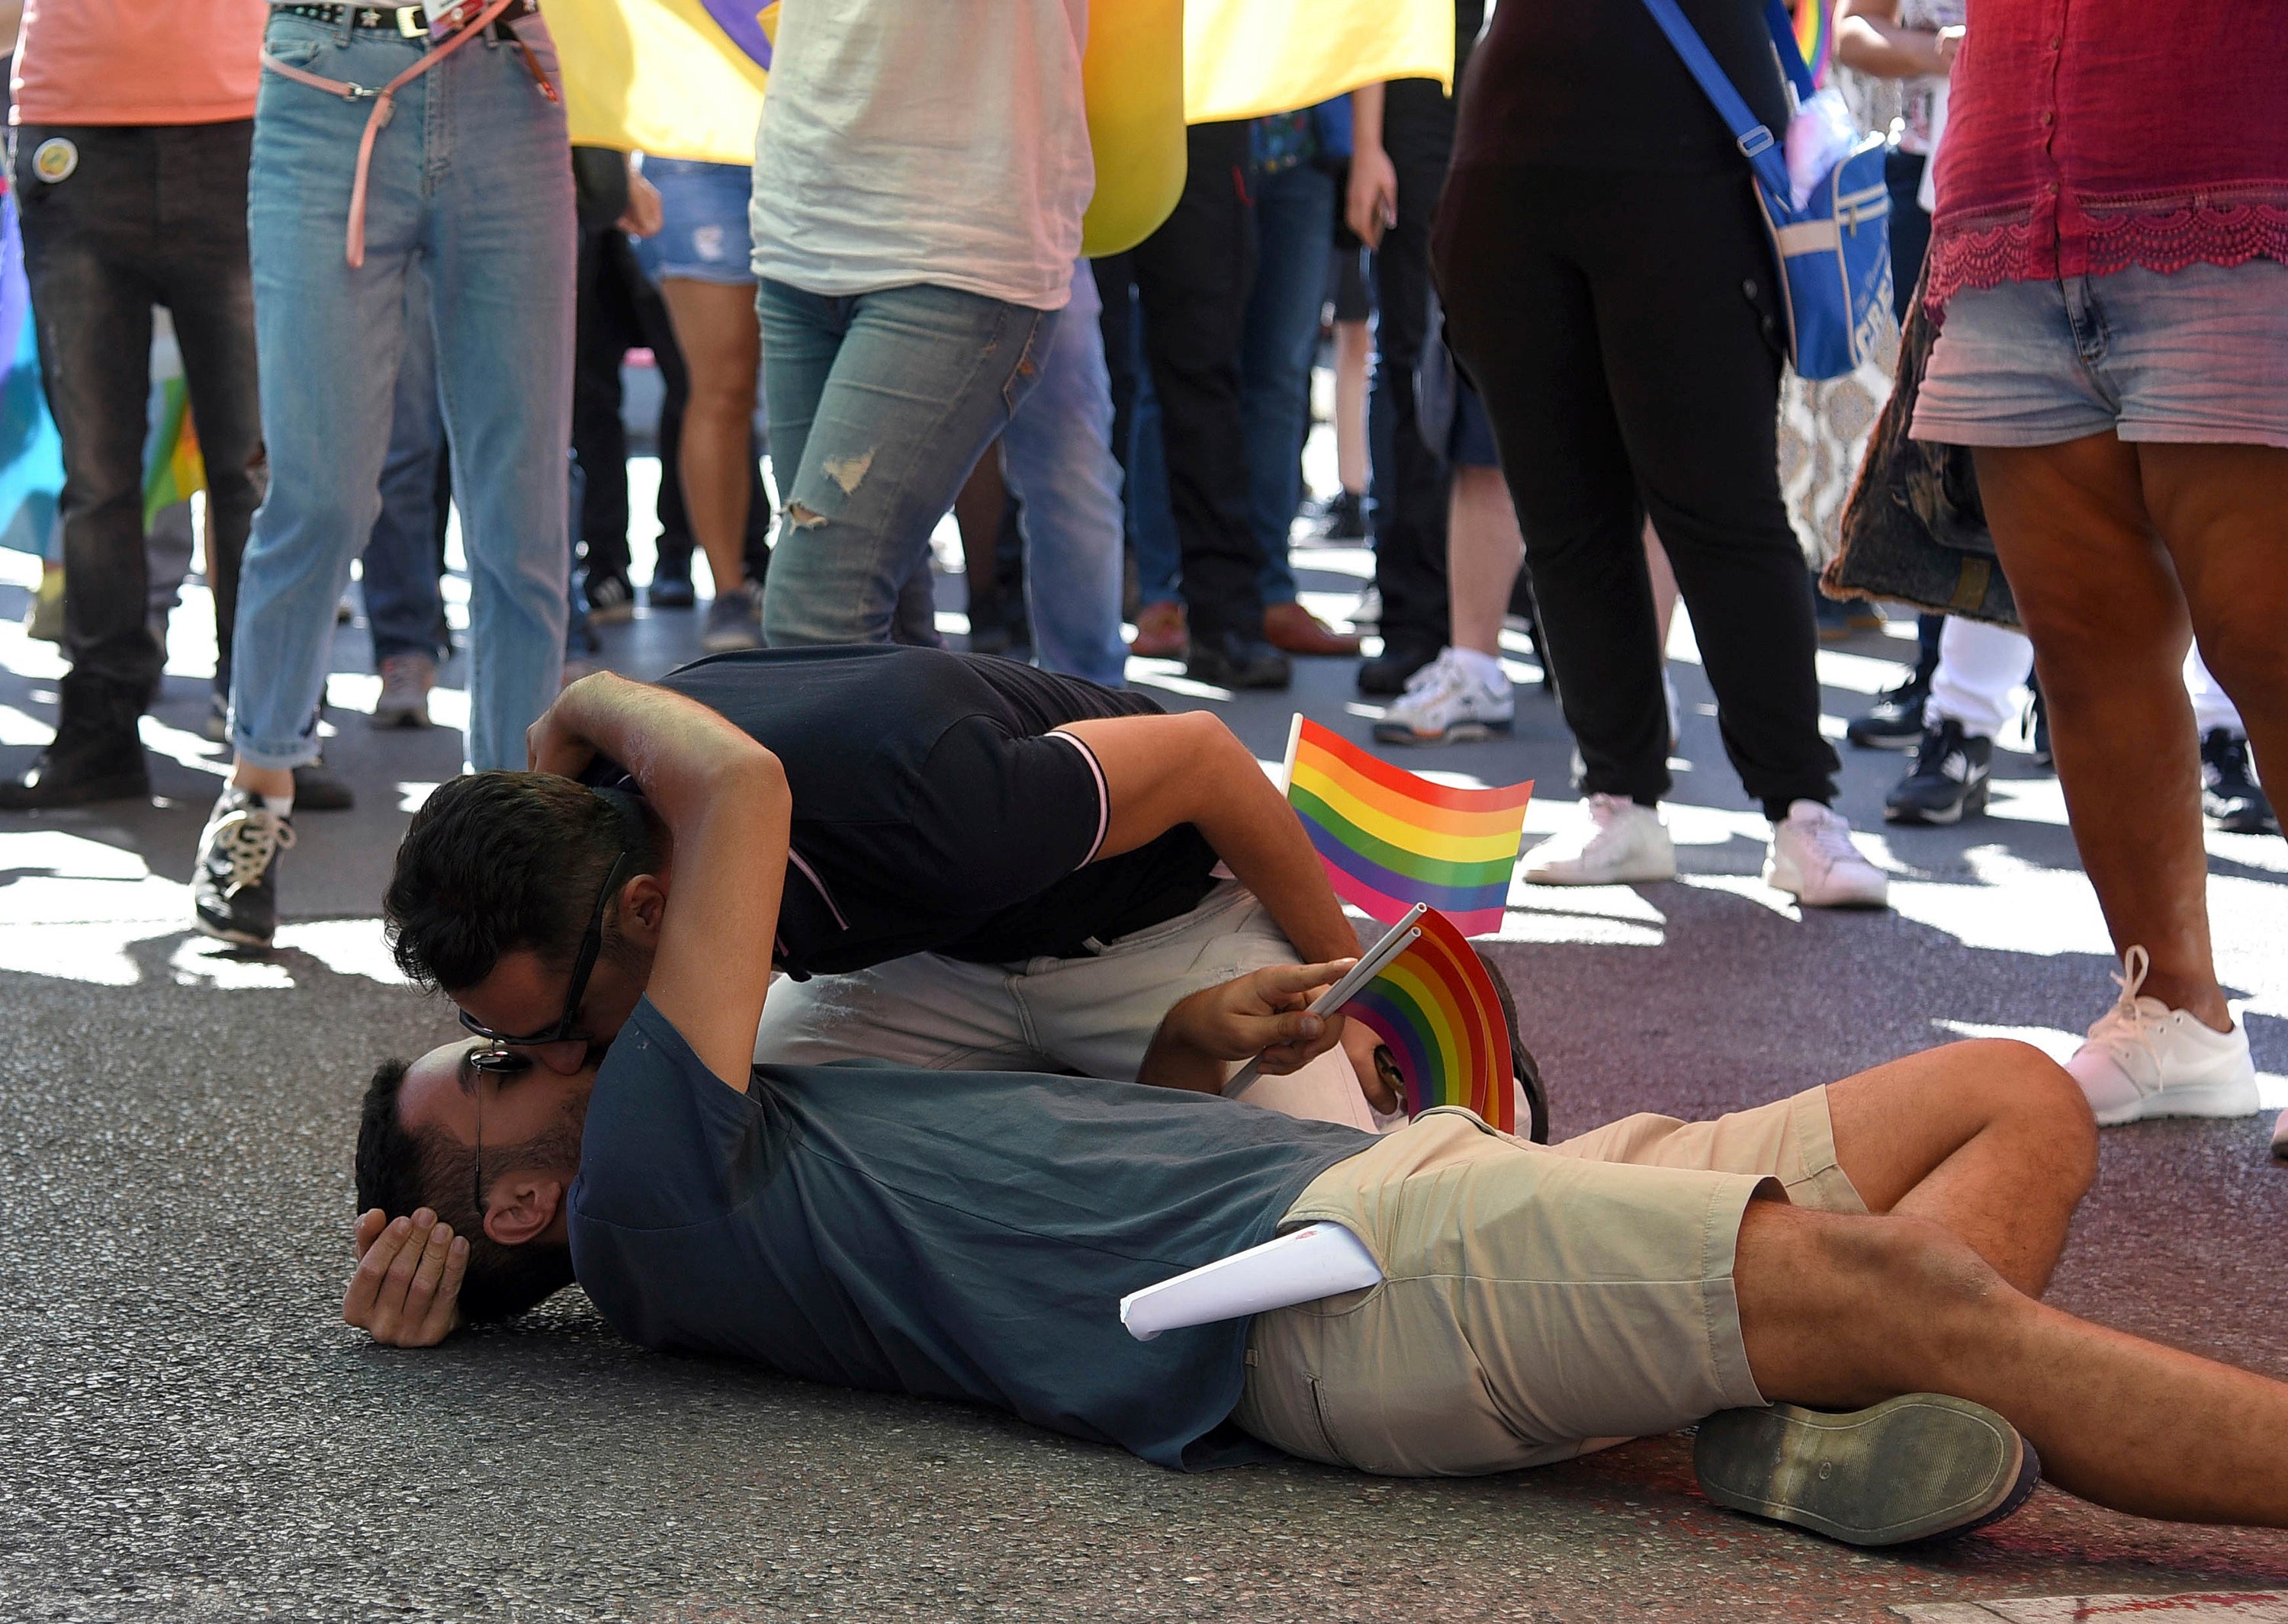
725 799
1161 770
1869 37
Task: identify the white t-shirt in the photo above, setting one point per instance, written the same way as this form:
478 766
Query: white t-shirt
941 141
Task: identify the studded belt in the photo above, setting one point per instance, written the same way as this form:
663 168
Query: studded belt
385 97
407 23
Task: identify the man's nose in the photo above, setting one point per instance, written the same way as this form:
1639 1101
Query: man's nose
562 1058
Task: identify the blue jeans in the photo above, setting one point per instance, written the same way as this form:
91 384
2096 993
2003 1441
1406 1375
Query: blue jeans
1056 455
881 404
1294 222
471 176
402 605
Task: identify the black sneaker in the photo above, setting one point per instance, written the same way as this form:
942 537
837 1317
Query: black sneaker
1234 661
318 788
1948 781
1340 517
1916 1467
611 600
1388 671
671 592
2234 801
1894 721
234 891
1522 1063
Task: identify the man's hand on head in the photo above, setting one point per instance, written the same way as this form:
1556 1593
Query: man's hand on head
406 1291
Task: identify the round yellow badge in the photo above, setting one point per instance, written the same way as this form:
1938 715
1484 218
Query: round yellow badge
54 160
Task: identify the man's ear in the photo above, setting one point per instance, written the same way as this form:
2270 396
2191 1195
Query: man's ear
643 906
523 1206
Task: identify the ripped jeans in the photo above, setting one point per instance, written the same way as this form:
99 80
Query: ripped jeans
879 405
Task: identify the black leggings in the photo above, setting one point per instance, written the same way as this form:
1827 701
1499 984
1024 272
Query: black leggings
1620 328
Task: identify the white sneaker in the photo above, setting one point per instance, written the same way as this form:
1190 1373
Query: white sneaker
1445 702
1618 842
1366 615
2144 1059
1813 860
406 680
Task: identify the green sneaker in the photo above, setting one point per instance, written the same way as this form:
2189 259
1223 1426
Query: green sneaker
1912 1468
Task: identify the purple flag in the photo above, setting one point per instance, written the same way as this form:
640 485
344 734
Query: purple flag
738 18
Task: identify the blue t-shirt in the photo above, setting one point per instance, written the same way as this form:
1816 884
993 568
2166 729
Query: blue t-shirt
963 1235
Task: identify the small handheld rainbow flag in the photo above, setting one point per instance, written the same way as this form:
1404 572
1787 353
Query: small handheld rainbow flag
1391 839
1436 1009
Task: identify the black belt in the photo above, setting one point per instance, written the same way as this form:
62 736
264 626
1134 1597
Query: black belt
406 22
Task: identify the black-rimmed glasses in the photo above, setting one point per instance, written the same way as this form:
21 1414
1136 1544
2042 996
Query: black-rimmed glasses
498 1057
501 1055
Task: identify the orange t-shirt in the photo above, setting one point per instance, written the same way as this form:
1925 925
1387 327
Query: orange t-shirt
138 61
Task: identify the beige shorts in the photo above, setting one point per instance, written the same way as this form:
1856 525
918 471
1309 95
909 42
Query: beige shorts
1538 1301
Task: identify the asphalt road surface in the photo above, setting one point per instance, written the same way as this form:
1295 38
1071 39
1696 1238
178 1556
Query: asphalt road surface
188 1432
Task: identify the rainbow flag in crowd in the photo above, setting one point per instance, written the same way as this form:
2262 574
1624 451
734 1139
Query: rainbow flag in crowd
1814 36
1435 1009
174 470
1391 839
31 451
684 78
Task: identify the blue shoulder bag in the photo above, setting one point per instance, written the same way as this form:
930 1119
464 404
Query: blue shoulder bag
1834 252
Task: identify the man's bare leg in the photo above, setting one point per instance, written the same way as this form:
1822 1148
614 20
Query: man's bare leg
1839 1311
1992 1140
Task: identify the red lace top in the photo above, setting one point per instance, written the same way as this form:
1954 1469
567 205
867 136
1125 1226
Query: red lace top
2087 135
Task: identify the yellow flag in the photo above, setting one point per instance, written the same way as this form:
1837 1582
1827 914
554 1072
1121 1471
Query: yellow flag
656 76
662 76
1245 58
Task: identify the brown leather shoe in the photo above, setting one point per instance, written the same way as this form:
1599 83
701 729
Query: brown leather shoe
1161 632
1296 629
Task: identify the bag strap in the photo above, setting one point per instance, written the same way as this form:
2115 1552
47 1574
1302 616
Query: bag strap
1781 24
1755 141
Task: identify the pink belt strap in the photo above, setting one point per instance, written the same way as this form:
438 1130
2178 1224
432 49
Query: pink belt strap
384 104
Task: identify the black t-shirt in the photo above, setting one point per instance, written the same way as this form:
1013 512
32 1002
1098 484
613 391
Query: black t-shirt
1416 114
934 810
1595 85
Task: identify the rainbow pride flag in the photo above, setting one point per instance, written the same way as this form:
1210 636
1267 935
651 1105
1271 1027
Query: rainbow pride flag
31 451
1435 1009
1814 36
174 470
1391 839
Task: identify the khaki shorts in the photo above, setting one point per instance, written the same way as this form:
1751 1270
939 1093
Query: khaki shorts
1538 1302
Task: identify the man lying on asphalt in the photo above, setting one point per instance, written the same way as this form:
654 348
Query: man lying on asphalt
990 865
967 1235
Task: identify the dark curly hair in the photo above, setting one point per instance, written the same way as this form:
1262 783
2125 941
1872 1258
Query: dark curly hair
399 1170
498 861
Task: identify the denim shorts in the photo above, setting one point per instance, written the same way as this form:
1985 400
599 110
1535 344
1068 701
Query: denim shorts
1470 442
702 234
2197 356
